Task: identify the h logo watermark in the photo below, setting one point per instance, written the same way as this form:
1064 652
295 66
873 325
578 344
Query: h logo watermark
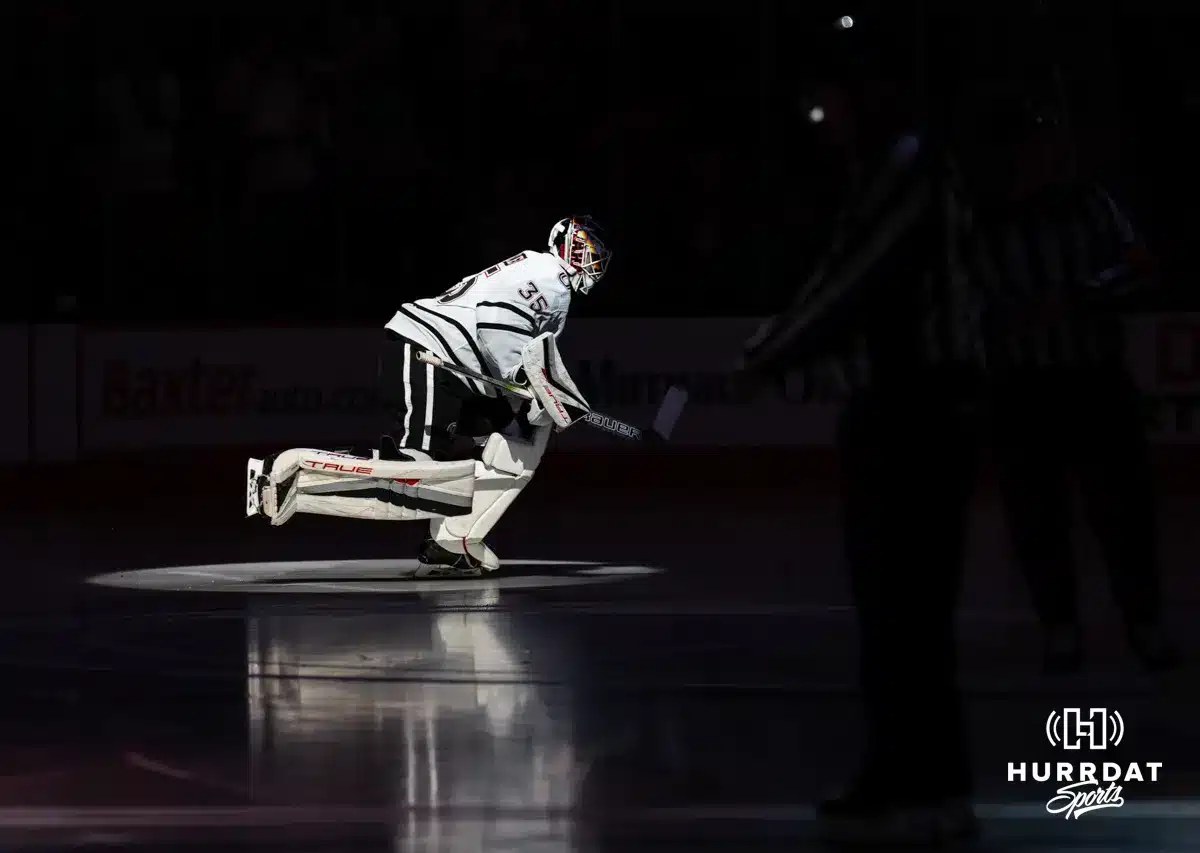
1084 786
1073 727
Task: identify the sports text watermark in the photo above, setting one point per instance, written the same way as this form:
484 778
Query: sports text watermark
1085 786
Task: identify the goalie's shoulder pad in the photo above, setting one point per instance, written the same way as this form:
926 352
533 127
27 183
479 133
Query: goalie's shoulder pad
550 383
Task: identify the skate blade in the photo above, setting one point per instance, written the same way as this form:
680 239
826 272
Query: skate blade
427 571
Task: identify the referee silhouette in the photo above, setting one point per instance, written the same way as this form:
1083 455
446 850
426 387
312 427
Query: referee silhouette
1058 264
890 310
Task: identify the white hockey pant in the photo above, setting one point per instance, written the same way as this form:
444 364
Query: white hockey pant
327 483
505 468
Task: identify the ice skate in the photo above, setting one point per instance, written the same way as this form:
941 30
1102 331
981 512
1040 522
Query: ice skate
439 562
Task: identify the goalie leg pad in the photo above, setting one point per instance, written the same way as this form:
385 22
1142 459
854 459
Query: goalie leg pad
506 466
327 483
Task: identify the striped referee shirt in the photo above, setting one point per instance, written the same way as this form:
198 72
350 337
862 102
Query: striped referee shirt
889 300
1047 271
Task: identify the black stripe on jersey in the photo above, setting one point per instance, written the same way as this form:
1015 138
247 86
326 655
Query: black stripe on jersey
479 386
470 339
500 327
513 308
446 348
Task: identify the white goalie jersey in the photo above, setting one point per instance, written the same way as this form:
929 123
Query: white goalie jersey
484 322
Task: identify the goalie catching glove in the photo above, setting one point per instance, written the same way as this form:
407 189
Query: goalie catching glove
556 400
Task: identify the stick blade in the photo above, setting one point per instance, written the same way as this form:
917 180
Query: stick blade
669 410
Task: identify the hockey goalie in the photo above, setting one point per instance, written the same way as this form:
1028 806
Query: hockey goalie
458 450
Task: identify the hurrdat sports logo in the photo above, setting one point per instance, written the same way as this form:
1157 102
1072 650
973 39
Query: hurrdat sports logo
1085 786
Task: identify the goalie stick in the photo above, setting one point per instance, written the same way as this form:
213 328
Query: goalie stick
664 422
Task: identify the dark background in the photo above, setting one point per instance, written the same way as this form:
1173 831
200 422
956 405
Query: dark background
316 164
319 163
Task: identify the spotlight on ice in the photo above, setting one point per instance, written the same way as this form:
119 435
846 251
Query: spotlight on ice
816 115
844 23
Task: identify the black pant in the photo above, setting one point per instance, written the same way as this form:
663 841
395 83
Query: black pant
433 411
1053 428
909 459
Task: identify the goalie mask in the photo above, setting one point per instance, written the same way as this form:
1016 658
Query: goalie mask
580 243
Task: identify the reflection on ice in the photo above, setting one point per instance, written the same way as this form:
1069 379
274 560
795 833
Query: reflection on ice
421 711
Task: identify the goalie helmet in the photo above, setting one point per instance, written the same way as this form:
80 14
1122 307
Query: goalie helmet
579 241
